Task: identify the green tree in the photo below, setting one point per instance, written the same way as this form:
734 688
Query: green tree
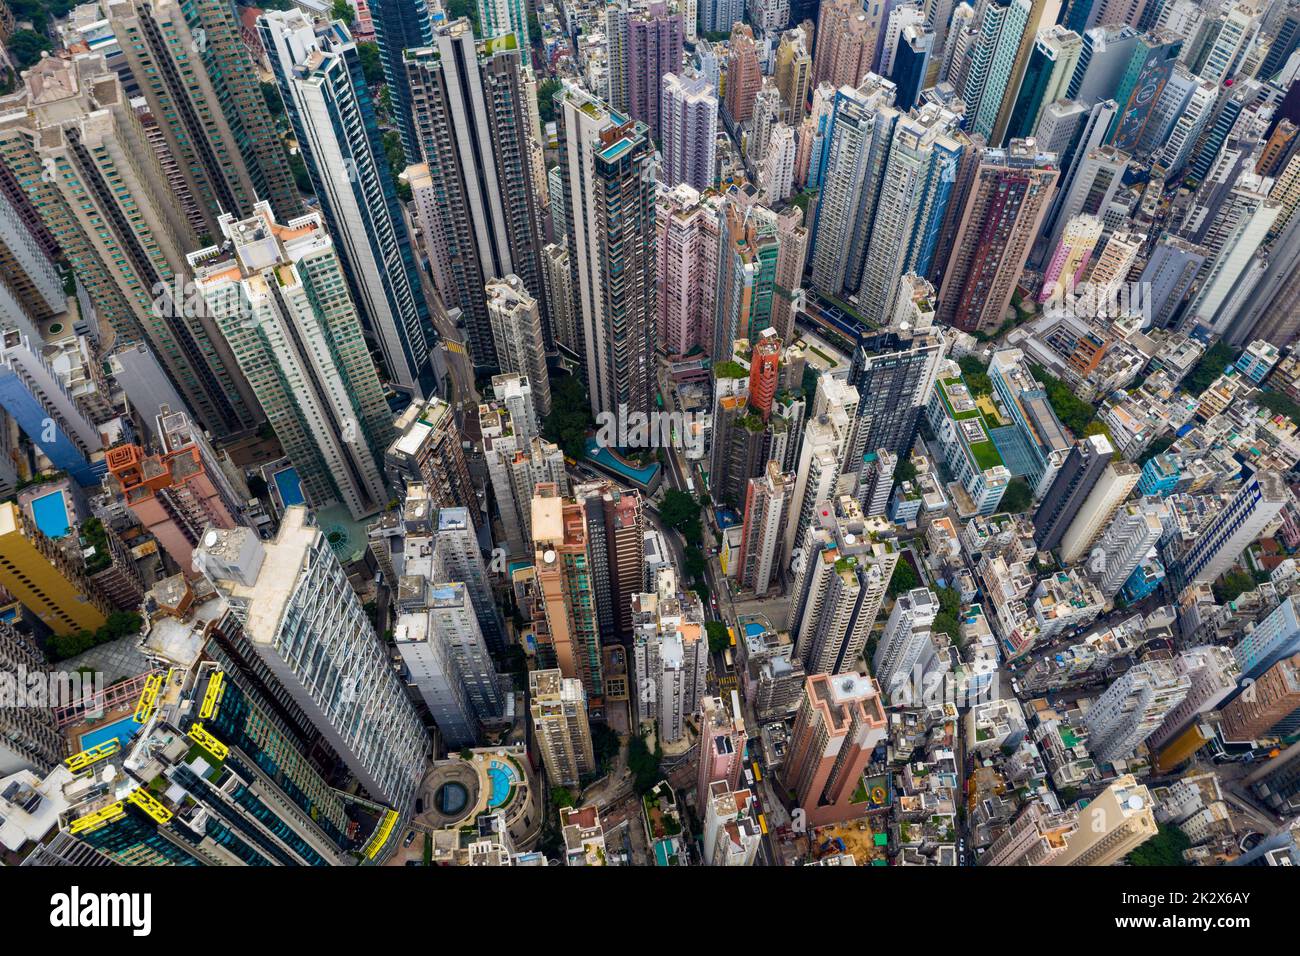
26 47
975 373
1232 585
1017 497
679 510
561 797
719 639
644 765
903 578
342 10
570 416
1164 849
371 66
1074 413
274 104
1210 366
546 91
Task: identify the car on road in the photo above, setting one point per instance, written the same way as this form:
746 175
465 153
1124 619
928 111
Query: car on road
410 838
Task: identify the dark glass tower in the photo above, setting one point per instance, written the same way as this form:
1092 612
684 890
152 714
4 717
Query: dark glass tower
401 25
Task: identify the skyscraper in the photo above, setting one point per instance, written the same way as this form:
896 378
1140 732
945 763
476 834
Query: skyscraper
559 713
278 294
319 74
1113 824
1047 76
516 463
427 450
34 396
841 572
1035 838
862 126
791 257
400 25
302 620
440 641
744 77
722 744
1131 535
845 43
912 61
1112 487
82 158
916 186
195 73
906 635
689 129
1224 535
793 75
30 737
1004 208
44 579
989 85
654 49
471 124
499 17
686 268
1271 706
838 725
517 334
1073 484
767 503
671 655
1139 89
606 160
571 641
1133 708
1071 256
894 372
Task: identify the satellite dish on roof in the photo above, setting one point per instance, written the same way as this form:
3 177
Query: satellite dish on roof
210 538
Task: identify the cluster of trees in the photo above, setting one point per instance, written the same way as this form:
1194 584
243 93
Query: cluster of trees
1235 583
570 417
719 639
1164 849
682 513
1211 365
120 623
948 620
1018 496
1074 413
644 764
546 90
903 579
976 375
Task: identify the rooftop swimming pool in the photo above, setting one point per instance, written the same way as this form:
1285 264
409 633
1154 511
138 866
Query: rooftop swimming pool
503 780
120 730
50 513
289 485
607 459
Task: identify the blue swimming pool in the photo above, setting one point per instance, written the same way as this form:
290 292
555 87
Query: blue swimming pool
503 779
50 512
290 487
606 459
120 730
